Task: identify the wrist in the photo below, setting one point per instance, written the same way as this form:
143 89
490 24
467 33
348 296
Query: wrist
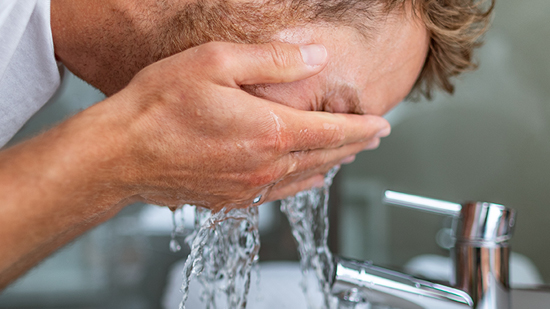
105 148
81 160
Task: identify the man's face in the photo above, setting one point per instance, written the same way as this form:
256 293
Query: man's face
364 75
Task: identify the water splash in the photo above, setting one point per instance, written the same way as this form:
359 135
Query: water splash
224 249
225 246
307 213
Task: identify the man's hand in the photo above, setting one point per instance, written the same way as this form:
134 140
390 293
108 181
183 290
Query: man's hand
197 138
182 132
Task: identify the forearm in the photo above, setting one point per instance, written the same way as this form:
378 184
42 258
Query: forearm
56 186
182 132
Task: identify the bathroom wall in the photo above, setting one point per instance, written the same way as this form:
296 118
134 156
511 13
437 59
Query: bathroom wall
488 142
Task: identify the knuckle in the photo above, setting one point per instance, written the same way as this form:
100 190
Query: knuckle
331 137
262 178
280 57
277 142
337 136
281 143
214 55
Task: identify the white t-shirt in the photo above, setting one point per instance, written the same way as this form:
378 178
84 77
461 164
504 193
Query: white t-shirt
29 74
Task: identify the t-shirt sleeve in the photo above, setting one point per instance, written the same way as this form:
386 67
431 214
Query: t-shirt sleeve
29 74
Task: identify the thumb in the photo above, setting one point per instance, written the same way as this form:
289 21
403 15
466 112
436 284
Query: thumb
247 64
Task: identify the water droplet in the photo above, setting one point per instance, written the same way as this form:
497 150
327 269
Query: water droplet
174 246
257 199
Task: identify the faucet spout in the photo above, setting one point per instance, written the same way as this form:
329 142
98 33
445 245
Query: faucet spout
480 256
356 281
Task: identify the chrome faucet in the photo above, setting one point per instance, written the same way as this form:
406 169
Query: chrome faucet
480 257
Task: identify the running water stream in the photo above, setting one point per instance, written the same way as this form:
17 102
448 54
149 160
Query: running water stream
224 248
307 213
225 245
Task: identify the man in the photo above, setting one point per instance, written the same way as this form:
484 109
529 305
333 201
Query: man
183 131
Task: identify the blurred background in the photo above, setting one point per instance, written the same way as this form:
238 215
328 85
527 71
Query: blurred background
488 142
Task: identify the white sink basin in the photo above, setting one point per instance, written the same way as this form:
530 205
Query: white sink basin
280 288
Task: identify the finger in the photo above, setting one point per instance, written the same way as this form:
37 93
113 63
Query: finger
246 64
320 170
280 192
297 182
303 161
306 130
299 178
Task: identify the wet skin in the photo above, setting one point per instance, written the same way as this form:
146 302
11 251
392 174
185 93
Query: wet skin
366 76
183 131
363 76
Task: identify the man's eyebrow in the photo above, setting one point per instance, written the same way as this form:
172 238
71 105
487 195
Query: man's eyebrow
342 95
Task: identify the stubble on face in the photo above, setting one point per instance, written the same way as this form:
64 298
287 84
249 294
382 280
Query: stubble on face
136 35
255 22
252 22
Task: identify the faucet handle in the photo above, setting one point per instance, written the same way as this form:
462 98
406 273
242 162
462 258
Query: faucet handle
422 203
479 221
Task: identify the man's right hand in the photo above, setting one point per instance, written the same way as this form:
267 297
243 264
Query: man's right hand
183 131
193 136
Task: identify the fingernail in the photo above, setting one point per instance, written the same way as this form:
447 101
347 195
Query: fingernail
384 132
372 145
314 54
348 160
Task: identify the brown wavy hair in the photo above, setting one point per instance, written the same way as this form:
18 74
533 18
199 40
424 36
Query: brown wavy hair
455 28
